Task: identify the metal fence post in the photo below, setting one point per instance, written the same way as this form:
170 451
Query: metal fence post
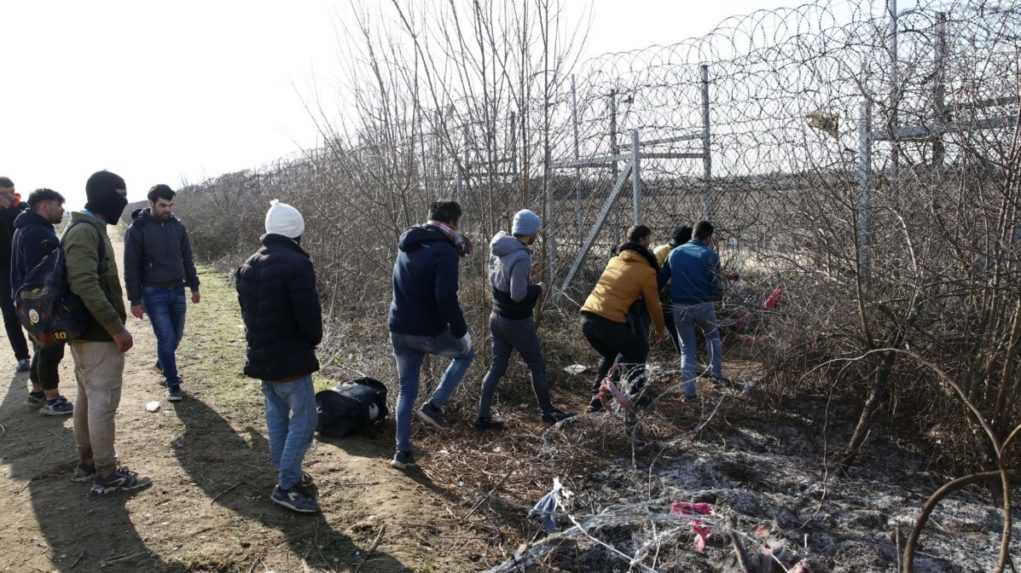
636 179
894 103
577 157
707 160
864 199
939 90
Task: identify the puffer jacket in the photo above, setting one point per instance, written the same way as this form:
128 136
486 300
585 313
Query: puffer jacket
509 269
281 310
628 277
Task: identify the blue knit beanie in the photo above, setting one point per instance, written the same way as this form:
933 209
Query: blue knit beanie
526 223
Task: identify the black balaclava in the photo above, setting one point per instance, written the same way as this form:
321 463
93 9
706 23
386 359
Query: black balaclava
103 198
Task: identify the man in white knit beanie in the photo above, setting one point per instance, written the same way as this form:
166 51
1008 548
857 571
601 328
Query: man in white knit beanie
283 325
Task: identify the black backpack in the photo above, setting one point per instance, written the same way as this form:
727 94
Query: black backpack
351 406
45 305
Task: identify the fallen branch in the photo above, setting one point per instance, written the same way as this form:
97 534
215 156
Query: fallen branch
488 495
372 549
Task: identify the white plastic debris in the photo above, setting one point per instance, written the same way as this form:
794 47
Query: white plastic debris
545 511
152 406
575 369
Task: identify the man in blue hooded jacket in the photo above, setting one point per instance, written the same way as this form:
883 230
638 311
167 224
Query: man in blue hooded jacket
426 318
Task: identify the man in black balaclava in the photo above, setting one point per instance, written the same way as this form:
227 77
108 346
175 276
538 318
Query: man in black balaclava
99 353
106 195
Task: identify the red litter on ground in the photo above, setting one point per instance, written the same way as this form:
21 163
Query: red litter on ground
699 528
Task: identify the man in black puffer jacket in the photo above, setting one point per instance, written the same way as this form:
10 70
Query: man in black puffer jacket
283 325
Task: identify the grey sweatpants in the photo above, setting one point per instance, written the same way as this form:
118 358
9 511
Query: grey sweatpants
510 335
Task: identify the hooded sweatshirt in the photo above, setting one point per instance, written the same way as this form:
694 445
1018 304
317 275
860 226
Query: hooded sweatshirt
425 285
34 238
157 253
509 270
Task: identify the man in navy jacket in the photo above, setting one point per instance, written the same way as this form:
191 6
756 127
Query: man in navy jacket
157 265
34 238
426 318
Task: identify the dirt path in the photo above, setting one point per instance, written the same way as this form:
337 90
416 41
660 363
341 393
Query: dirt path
208 509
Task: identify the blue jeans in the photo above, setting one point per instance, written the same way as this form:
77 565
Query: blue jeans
409 352
166 308
687 317
291 419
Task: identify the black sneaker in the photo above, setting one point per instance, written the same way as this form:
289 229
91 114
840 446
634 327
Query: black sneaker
490 424
24 365
308 485
555 416
58 406
433 416
36 399
83 473
595 406
295 499
120 479
403 461
174 394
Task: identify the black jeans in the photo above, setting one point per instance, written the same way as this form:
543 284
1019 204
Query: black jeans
11 322
609 339
510 335
46 365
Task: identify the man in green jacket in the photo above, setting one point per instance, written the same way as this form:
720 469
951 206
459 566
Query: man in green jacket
99 352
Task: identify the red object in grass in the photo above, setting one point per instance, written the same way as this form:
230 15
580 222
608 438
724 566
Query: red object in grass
774 299
701 530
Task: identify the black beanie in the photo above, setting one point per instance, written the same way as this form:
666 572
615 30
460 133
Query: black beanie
101 190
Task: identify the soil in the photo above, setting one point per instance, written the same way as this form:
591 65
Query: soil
759 463
208 509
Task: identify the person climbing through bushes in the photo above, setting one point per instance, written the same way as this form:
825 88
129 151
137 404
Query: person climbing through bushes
693 273
426 318
680 236
511 323
630 276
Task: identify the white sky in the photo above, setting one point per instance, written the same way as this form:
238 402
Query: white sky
181 91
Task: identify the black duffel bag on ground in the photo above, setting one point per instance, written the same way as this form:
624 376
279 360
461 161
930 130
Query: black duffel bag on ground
351 406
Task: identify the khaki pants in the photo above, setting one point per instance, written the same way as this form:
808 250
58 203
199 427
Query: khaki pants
99 368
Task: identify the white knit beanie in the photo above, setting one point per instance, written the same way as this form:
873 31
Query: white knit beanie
282 219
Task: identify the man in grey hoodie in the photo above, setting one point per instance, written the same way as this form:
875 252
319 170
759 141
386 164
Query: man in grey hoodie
511 322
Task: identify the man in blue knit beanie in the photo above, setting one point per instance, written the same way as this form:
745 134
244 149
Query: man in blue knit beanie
511 322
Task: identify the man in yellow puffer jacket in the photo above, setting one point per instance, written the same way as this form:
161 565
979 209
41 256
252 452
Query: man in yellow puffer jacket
628 277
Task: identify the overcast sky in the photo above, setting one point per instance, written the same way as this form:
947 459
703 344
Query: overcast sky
186 90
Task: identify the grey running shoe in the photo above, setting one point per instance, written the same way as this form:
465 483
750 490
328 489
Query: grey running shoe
120 479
